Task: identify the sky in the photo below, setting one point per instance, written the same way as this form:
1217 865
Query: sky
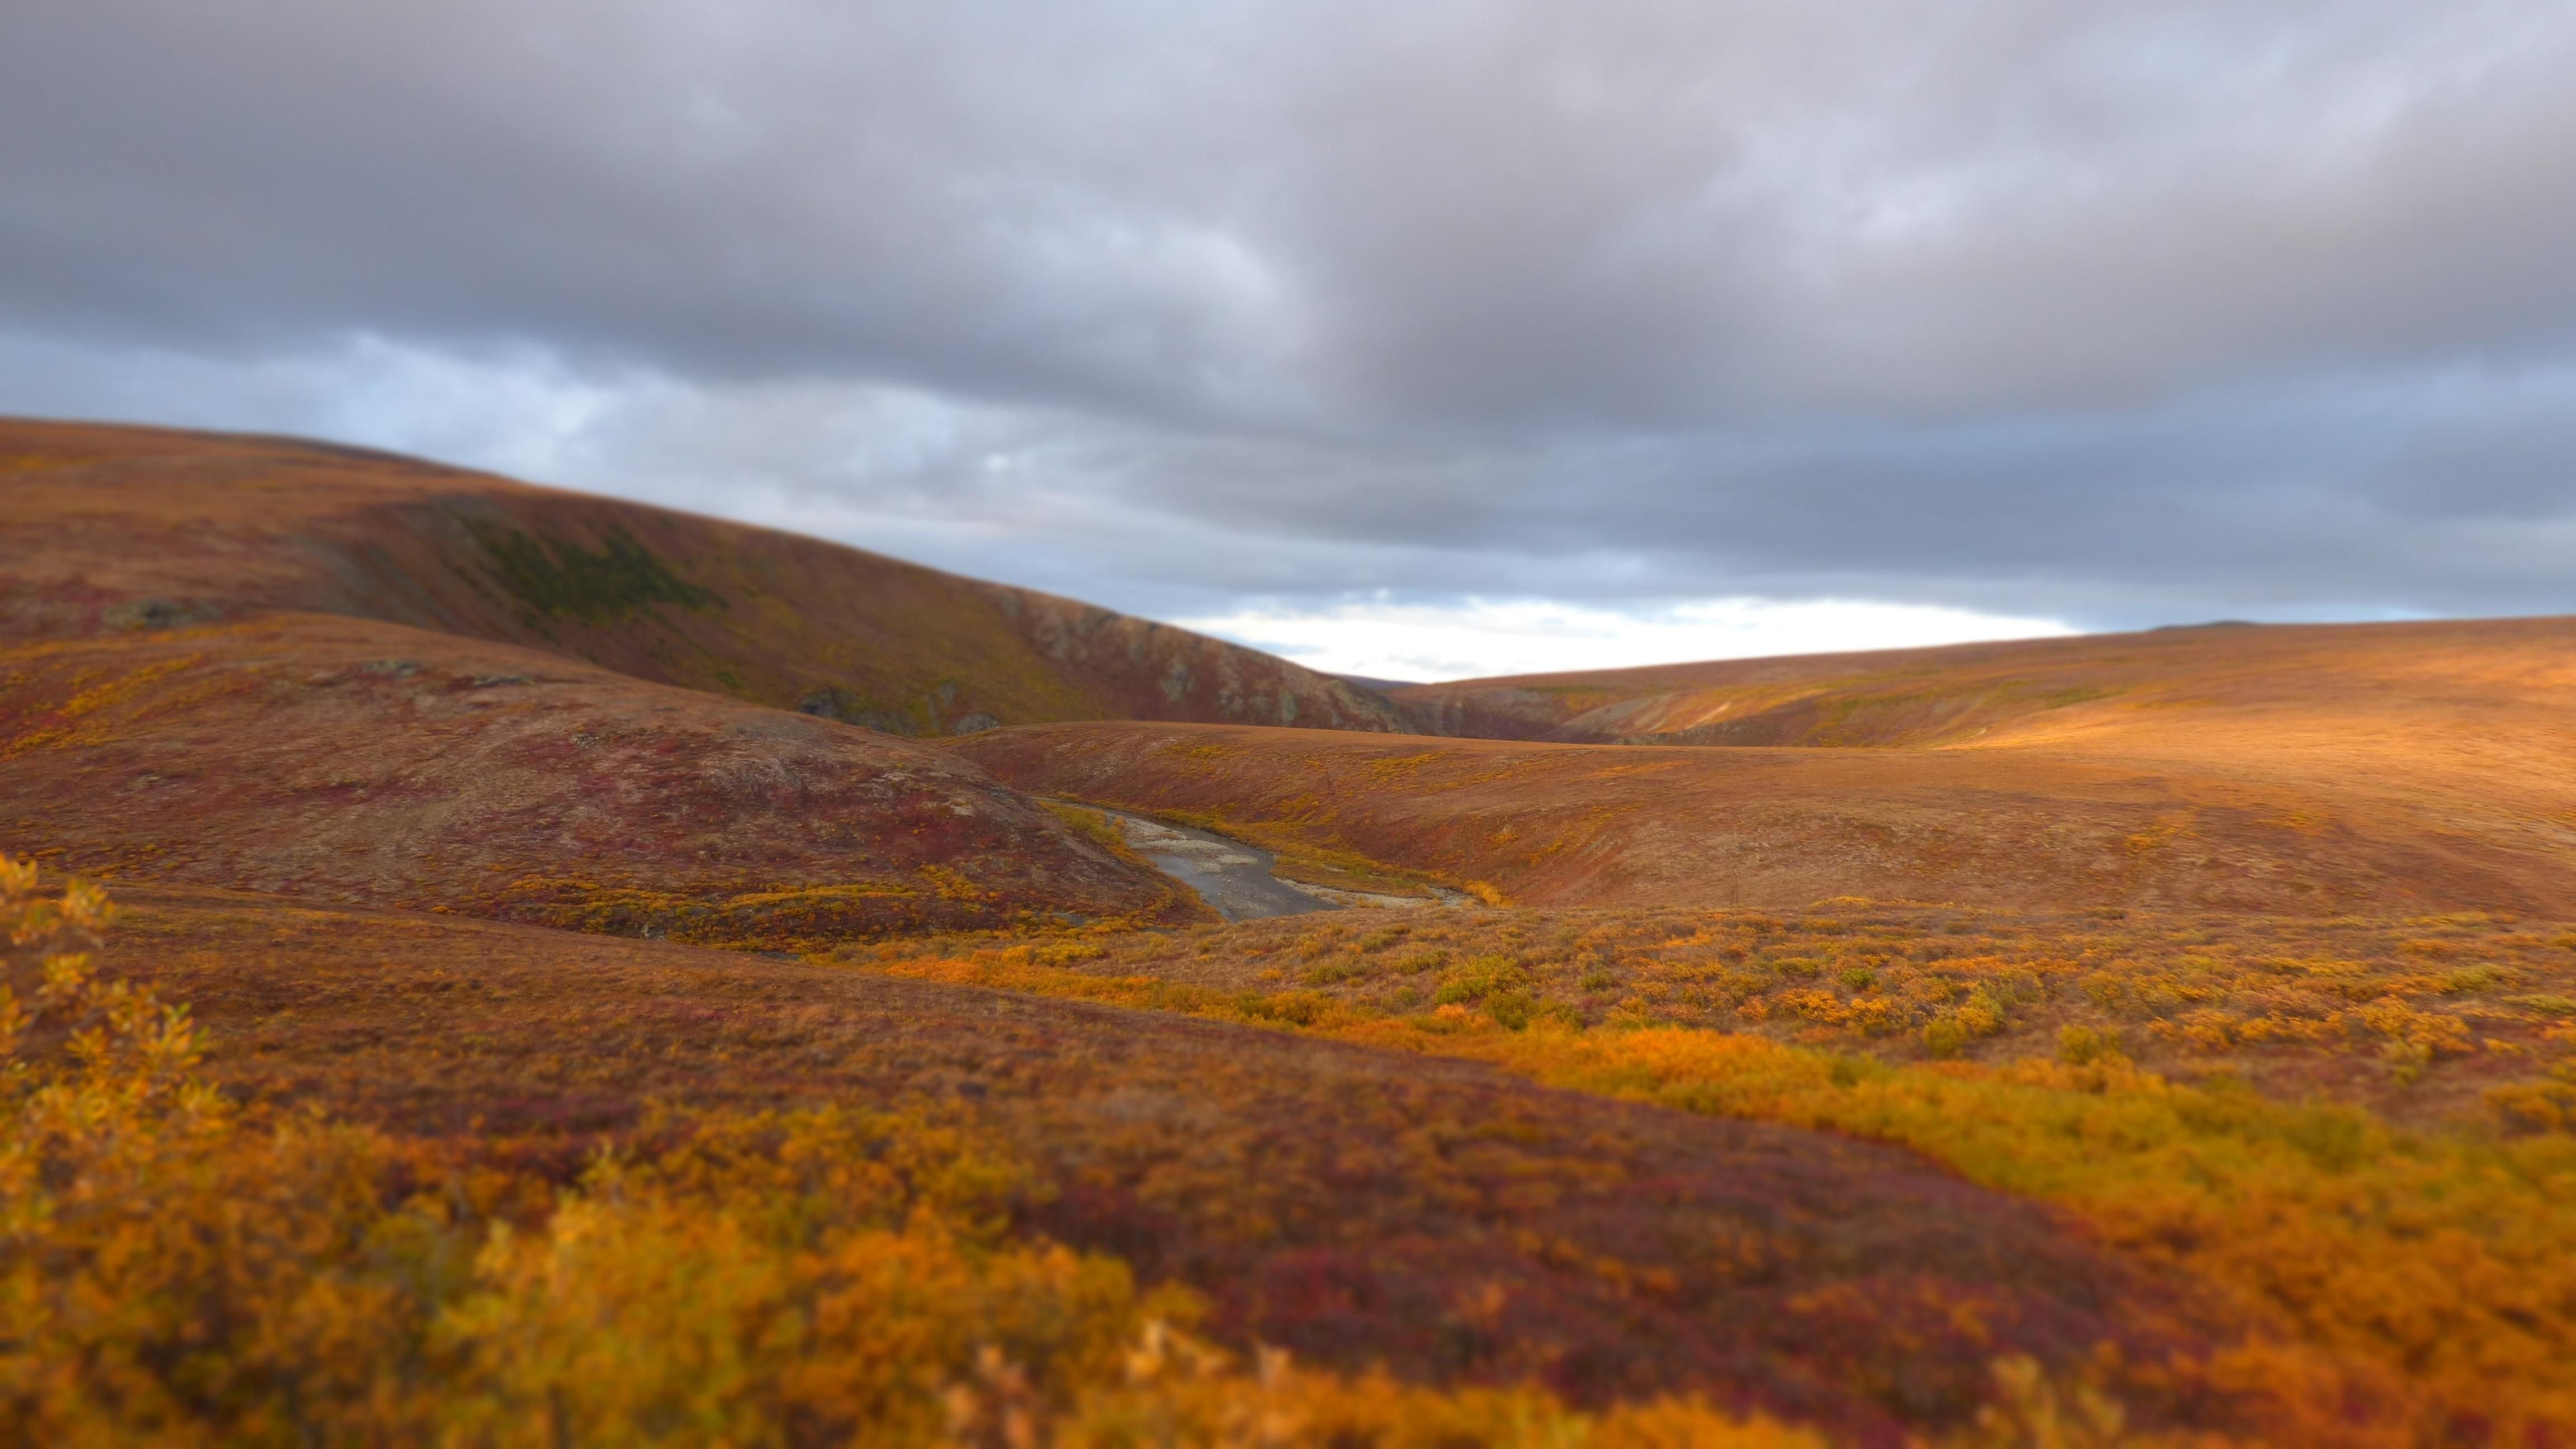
1419 341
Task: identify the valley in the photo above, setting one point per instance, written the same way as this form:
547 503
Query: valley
2155 1038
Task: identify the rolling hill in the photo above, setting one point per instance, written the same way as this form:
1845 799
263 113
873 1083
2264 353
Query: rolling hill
134 527
337 759
2159 1038
2356 676
2310 770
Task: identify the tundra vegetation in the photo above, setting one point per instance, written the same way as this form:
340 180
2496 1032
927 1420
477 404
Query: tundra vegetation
186 1268
2353 1133
516 968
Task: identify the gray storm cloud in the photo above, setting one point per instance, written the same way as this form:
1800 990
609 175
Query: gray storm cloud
2118 312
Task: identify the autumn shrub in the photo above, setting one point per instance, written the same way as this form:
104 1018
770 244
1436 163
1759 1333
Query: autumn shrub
1511 1009
2260 998
170 1271
178 1269
826 1274
1479 978
1980 1015
2548 1105
2079 1045
2421 1280
2440 1269
1178 1392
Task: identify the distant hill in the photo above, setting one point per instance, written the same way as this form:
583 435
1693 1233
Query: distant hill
2323 768
1987 693
109 527
165 589
1380 685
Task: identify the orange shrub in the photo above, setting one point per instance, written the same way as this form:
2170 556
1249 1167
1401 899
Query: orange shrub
175 1269
2424 1281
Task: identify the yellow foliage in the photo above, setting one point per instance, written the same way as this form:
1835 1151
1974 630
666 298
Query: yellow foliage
952 885
2446 1265
175 1269
1179 1392
2435 1272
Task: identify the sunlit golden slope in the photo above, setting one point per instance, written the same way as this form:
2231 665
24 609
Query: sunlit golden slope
2029 689
129 527
2323 768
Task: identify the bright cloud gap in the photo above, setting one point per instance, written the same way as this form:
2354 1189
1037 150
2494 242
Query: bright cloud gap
1479 638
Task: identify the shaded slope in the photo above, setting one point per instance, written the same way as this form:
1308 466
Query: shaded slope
350 760
1444 1219
2044 828
109 527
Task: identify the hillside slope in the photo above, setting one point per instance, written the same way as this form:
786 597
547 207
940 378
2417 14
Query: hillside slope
109 527
2020 691
347 760
2299 826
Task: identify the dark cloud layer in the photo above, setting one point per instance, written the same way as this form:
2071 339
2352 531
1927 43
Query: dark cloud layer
2117 312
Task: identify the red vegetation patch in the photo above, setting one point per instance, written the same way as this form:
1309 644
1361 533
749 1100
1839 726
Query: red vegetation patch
345 760
1449 1220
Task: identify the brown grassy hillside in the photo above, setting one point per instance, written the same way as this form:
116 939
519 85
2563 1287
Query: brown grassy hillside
109 527
2360 824
2425 680
345 759
2310 769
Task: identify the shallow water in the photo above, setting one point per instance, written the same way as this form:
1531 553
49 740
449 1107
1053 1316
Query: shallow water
1228 874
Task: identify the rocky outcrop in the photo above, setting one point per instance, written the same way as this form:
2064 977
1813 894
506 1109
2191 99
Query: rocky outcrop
1159 672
